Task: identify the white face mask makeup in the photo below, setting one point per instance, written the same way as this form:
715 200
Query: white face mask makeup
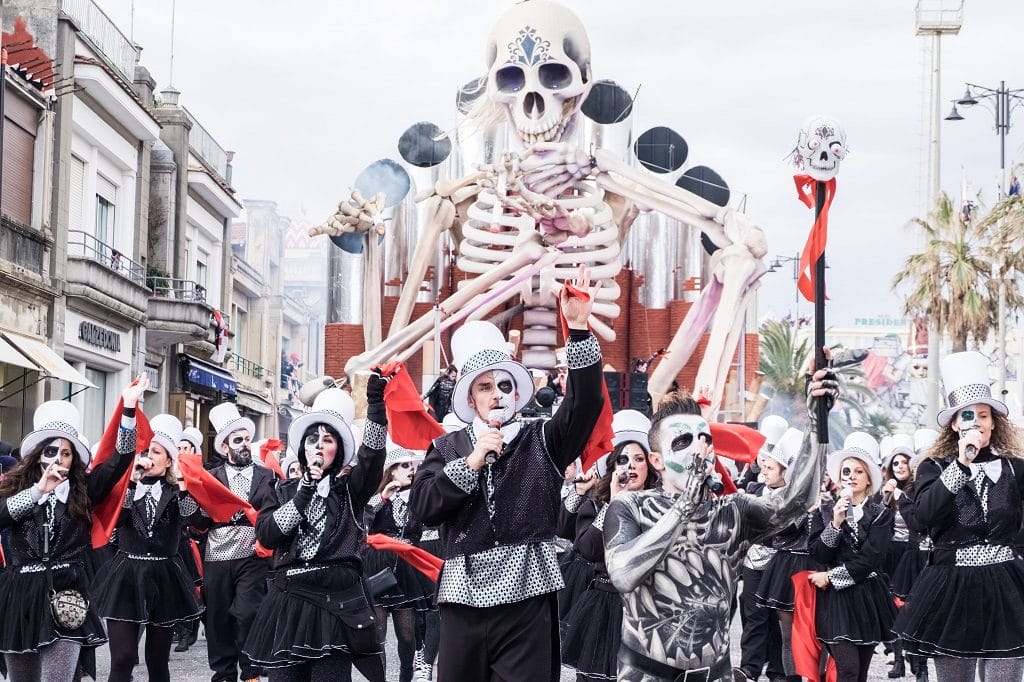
681 440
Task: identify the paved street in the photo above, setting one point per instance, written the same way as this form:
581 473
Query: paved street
191 666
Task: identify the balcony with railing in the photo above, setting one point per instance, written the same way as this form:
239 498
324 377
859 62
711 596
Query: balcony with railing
178 289
206 148
247 367
105 37
178 310
102 275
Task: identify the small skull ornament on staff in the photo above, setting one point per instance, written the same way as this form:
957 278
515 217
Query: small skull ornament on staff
820 149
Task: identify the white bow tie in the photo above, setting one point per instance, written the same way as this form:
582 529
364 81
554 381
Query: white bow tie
61 492
856 513
508 431
993 469
323 488
153 489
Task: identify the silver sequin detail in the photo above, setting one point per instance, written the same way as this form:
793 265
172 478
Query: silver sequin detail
840 578
375 503
969 394
309 541
830 536
146 557
18 506
430 534
500 575
375 436
399 511
954 478
226 543
188 505
304 569
484 358
758 556
580 354
459 473
984 555
39 568
599 519
127 437
287 517
573 500
982 484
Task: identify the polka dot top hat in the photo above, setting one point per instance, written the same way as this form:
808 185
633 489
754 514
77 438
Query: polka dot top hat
965 382
479 347
57 419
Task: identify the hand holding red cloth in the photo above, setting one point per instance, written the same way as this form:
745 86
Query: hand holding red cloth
817 239
420 559
409 424
807 650
106 513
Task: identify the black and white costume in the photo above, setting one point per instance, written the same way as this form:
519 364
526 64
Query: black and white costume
496 593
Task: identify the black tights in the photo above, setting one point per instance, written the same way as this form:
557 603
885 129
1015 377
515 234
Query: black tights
852 660
405 632
430 633
124 650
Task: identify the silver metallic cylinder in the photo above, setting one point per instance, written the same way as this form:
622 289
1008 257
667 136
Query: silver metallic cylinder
345 295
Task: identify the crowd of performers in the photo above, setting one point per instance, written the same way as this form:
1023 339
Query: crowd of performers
630 568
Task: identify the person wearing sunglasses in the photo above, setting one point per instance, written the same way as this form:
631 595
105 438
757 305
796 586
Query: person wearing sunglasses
317 620
966 607
594 625
46 501
850 537
388 513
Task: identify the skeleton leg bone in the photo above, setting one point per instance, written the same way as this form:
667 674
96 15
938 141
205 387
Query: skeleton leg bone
426 250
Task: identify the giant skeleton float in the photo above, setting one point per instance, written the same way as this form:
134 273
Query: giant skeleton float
550 179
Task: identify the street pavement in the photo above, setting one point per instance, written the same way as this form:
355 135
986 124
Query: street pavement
191 666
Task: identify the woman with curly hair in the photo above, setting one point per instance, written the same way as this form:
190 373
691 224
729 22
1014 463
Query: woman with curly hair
966 606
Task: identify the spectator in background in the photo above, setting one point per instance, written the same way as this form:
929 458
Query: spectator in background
439 395
557 380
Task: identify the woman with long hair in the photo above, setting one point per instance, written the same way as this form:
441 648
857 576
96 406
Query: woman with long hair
966 606
46 501
146 585
388 513
594 625
854 610
317 620
897 494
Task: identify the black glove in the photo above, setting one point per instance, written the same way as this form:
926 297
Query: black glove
304 494
375 410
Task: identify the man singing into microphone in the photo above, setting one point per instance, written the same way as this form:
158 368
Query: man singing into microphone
493 488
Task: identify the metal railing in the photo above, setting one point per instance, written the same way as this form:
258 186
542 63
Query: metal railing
104 35
178 289
202 144
249 367
84 245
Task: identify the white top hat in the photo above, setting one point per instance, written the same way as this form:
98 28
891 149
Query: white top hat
923 440
57 419
452 423
900 444
630 425
965 381
194 436
225 419
772 427
167 432
479 347
858 440
290 458
859 451
786 449
397 455
335 408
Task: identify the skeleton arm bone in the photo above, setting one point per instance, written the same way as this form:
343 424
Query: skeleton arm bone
442 217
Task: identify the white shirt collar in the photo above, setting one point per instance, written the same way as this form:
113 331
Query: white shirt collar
856 511
153 489
323 488
61 492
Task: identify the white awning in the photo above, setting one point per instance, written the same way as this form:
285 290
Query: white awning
10 355
46 361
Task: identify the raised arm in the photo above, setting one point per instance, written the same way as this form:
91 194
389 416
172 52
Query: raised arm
103 478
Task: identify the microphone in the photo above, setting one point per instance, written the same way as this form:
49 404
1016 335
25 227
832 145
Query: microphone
970 451
887 497
495 418
623 477
714 483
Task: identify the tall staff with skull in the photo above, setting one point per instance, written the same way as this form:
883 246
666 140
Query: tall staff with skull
820 148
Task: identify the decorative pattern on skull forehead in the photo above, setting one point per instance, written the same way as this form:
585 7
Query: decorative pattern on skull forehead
528 48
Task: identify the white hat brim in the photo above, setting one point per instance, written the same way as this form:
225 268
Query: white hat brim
460 395
631 436
835 461
332 419
37 438
242 423
944 417
898 450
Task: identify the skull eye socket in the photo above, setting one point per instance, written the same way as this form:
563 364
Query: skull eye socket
682 441
836 148
510 79
813 144
554 76
505 386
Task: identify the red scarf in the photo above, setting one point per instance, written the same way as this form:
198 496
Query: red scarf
807 650
420 559
815 246
601 438
409 424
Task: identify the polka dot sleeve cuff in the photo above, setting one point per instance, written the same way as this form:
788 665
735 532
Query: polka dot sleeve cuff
460 474
954 478
840 578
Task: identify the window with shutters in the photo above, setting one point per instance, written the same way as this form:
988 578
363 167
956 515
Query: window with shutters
106 194
19 138
76 200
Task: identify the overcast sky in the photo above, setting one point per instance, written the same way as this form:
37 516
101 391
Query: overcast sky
308 92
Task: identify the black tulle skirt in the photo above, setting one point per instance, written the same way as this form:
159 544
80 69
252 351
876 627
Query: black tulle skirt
892 558
290 630
862 614
578 574
775 591
965 611
158 592
26 623
413 591
911 563
593 632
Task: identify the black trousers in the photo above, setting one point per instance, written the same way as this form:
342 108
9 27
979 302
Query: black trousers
234 591
506 643
761 641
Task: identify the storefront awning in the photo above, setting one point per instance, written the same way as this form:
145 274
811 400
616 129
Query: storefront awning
11 356
253 402
204 374
44 360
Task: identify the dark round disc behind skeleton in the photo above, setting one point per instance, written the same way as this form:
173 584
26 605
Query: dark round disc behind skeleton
709 185
383 175
661 150
424 145
607 103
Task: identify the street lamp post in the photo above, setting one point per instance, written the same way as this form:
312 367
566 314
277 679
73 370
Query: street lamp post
1002 101
776 265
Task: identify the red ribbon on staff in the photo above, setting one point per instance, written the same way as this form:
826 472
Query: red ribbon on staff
106 513
815 246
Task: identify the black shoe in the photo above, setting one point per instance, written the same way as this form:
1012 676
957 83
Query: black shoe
898 669
182 644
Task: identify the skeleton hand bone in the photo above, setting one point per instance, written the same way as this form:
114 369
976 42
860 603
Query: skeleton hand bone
355 214
550 168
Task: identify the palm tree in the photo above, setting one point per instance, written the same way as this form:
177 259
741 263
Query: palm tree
950 278
1004 227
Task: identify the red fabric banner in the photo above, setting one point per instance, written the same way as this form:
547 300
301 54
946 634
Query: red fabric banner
816 241
807 650
268 456
106 513
409 423
420 559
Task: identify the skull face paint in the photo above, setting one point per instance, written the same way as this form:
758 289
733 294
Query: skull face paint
239 453
820 147
681 442
494 392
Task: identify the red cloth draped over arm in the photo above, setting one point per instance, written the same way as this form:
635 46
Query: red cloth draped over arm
409 424
807 650
420 559
106 513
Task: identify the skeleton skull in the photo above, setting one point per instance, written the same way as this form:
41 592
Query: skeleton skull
539 69
820 148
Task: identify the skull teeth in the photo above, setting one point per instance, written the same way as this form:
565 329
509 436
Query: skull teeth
556 129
